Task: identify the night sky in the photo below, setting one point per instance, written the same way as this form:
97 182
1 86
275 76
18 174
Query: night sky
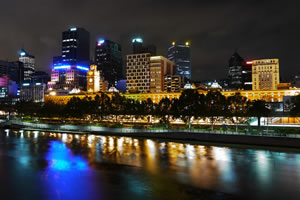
257 28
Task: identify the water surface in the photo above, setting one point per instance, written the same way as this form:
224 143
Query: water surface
40 165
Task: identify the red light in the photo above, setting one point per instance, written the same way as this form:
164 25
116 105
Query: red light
249 62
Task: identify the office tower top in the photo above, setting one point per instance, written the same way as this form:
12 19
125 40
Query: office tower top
29 64
76 46
138 47
108 58
180 53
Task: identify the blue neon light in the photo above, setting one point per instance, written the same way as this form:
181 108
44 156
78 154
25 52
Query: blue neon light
73 29
82 68
100 42
22 53
62 67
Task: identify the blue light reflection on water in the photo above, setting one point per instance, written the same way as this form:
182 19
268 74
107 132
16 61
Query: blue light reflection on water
67 174
61 158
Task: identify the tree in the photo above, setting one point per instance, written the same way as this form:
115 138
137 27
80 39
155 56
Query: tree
258 109
295 106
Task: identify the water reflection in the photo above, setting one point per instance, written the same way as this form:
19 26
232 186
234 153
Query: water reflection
93 164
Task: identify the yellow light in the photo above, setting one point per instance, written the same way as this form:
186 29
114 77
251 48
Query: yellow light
53 93
173 43
187 44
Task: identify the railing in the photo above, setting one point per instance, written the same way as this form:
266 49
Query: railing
77 128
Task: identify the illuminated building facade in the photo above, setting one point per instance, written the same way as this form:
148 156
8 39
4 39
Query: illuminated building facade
173 83
266 95
32 92
8 90
68 77
28 63
159 67
108 58
181 55
265 74
95 82
138 73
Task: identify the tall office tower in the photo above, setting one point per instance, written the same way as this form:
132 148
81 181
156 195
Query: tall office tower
29 64
138 73
235 71
138 47
40 77
159 67
108 58
265 74
76 46
181 54
14 70
70 69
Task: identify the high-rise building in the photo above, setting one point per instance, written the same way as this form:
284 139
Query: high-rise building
29 64
159 67
108 58
181 54
235 71
138 47
14 70
76 46
70 69
138 73
265 74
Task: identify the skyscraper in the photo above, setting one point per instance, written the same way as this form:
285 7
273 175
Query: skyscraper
76 46
235 71
70 69
138 73
29 64
138 47
108 58
181 54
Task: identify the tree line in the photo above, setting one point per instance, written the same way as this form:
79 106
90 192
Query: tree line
189 106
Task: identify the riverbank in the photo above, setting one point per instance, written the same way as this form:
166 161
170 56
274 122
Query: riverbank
291 141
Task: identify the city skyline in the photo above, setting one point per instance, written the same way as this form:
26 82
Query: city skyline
220 29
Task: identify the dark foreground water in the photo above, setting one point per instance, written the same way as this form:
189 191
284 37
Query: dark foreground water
38 165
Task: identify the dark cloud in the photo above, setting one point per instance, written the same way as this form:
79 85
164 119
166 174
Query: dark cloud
257 28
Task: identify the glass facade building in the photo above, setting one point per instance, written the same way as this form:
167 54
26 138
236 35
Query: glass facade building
108 58
181 55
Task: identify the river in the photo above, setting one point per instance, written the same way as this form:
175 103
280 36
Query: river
40 165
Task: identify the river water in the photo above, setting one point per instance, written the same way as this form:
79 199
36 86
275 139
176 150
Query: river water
40 165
